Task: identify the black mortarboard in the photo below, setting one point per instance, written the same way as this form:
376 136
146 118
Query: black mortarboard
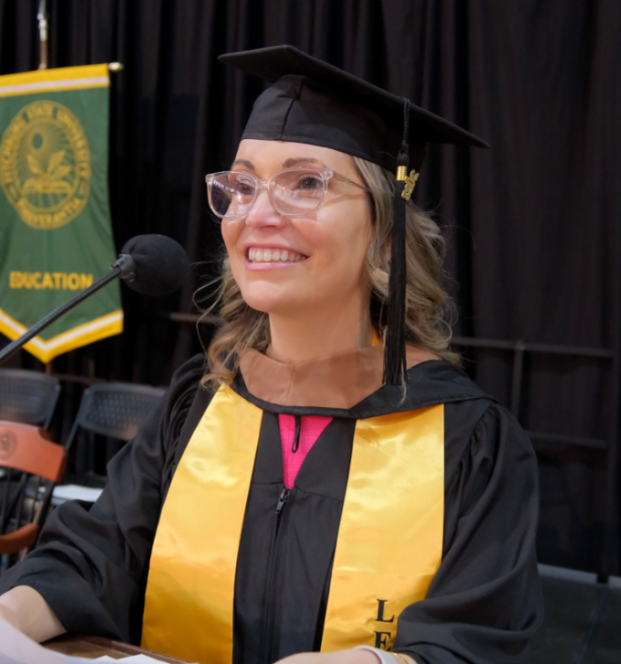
313 102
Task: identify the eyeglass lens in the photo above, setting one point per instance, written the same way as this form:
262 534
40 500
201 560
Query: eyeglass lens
292 192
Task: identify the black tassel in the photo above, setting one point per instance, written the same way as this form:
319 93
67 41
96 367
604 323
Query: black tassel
395 366
394 350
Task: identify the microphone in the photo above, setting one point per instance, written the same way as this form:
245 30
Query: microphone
149 264
159 264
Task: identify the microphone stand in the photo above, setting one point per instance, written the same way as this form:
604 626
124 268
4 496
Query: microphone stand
122 268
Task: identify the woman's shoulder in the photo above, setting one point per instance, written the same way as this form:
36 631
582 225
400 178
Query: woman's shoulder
430 381
471 414
186 392
191 371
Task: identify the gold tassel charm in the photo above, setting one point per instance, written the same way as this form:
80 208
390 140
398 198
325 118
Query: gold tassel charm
409 185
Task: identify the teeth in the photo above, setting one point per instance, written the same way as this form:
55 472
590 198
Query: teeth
273 255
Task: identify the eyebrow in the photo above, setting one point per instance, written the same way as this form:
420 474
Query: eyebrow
301 160
289 163
243 162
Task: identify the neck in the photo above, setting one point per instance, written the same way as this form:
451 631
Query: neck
298 339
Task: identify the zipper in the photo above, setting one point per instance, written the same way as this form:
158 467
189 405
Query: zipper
281 503
296 437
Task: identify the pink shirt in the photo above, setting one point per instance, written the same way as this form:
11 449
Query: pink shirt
294 452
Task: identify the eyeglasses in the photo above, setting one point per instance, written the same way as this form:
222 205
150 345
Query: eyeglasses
293 192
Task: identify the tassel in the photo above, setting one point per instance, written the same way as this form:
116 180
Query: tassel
394 350
395 365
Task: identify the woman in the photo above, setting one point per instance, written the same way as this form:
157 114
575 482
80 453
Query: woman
286 501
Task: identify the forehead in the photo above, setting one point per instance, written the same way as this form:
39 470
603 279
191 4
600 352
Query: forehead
274 155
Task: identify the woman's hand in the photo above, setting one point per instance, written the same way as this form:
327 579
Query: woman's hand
338 657
25 609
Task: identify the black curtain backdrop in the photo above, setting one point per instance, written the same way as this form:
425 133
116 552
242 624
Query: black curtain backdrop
533 223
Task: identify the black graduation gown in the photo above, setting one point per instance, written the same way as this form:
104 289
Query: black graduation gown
91 565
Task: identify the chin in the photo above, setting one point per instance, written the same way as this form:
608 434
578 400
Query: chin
268 303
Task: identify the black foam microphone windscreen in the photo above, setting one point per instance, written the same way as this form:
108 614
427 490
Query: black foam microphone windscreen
161 264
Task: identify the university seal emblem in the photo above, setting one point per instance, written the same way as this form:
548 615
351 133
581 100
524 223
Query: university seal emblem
45 165
8 444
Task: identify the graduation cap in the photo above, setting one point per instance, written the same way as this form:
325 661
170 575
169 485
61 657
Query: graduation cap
310 101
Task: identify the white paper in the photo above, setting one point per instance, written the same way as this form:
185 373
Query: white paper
16 648
132 659
64 492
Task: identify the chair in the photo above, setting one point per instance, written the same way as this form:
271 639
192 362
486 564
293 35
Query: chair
113 410
27 450
28 396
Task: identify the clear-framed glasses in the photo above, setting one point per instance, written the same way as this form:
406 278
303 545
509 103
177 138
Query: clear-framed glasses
293 192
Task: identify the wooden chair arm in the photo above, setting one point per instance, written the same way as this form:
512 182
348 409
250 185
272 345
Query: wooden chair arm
22 538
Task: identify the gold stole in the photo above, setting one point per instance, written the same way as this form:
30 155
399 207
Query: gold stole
388 549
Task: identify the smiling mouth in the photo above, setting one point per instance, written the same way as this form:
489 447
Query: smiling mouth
256 255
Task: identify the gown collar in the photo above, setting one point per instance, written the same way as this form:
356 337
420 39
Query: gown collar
341 385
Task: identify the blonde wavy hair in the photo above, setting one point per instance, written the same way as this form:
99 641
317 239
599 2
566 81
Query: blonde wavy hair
428 307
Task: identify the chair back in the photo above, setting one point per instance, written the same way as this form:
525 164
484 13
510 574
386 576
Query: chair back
25 452
115 410
28 396
110 414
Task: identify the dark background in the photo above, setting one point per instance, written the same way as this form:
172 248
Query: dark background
533 223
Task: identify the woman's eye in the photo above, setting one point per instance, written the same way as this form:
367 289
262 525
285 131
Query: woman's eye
243 186
309 183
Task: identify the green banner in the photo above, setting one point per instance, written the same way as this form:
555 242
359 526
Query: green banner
55 230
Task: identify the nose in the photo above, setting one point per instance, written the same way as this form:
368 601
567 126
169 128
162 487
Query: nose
263 213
